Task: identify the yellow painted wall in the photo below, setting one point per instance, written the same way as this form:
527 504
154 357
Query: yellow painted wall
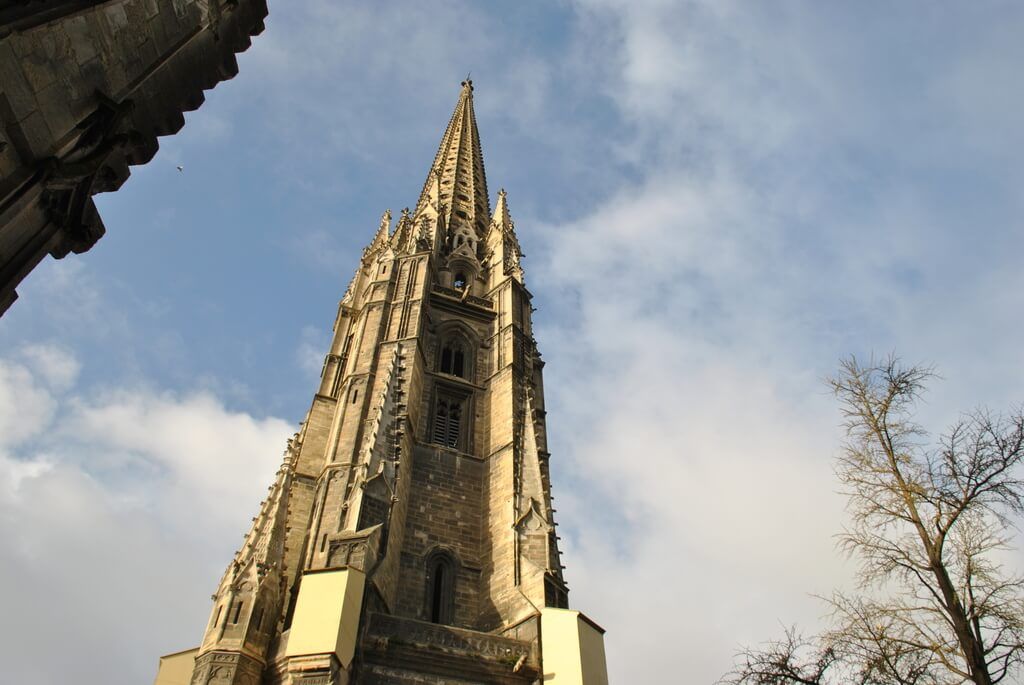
327 614
176 669
572 649
595 668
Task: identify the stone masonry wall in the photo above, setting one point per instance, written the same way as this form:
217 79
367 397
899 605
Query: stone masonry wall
445 502
85 95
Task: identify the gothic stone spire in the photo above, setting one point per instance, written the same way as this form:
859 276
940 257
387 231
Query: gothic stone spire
410 536
456 179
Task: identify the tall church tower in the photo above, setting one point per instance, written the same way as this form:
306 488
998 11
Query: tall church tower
409 535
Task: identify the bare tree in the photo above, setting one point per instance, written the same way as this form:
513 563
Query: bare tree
793 659
934 606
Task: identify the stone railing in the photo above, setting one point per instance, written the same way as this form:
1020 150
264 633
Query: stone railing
457 294
396 631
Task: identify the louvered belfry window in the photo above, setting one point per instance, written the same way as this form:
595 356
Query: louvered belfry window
447 422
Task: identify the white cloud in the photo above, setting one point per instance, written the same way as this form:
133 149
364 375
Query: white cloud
300 53
55 364
309 355
26 406
16 472
700 306
119 502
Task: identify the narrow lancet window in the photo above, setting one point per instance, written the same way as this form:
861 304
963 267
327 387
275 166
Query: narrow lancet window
440 606
453 358
439 581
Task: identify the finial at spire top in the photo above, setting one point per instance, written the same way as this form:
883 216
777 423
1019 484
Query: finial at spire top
468 83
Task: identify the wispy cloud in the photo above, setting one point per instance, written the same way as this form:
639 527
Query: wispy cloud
126 494
791 203
309 355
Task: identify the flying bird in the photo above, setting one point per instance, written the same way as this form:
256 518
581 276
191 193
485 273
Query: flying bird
181 168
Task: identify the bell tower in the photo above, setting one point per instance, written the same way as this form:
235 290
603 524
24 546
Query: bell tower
409 535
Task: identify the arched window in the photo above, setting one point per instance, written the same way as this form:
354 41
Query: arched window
440 595
447 422
460 281
453 358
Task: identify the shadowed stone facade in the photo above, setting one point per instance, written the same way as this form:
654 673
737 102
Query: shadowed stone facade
86 87
409 536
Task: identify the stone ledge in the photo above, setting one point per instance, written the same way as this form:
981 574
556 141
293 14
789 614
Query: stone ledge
417 648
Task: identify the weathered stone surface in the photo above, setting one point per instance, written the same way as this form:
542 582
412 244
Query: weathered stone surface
397 650
226 668
86 87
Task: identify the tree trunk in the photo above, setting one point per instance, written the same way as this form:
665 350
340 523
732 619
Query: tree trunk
972 649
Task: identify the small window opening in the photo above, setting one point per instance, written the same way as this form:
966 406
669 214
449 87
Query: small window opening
355 395
384 269
323 542
453 359
258 618
220 610
238 610
460 281
435 608
440 600
554 594
447 423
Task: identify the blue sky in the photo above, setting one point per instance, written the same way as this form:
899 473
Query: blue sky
717 201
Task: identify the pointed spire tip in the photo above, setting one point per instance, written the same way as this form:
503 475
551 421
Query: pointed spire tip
456 177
